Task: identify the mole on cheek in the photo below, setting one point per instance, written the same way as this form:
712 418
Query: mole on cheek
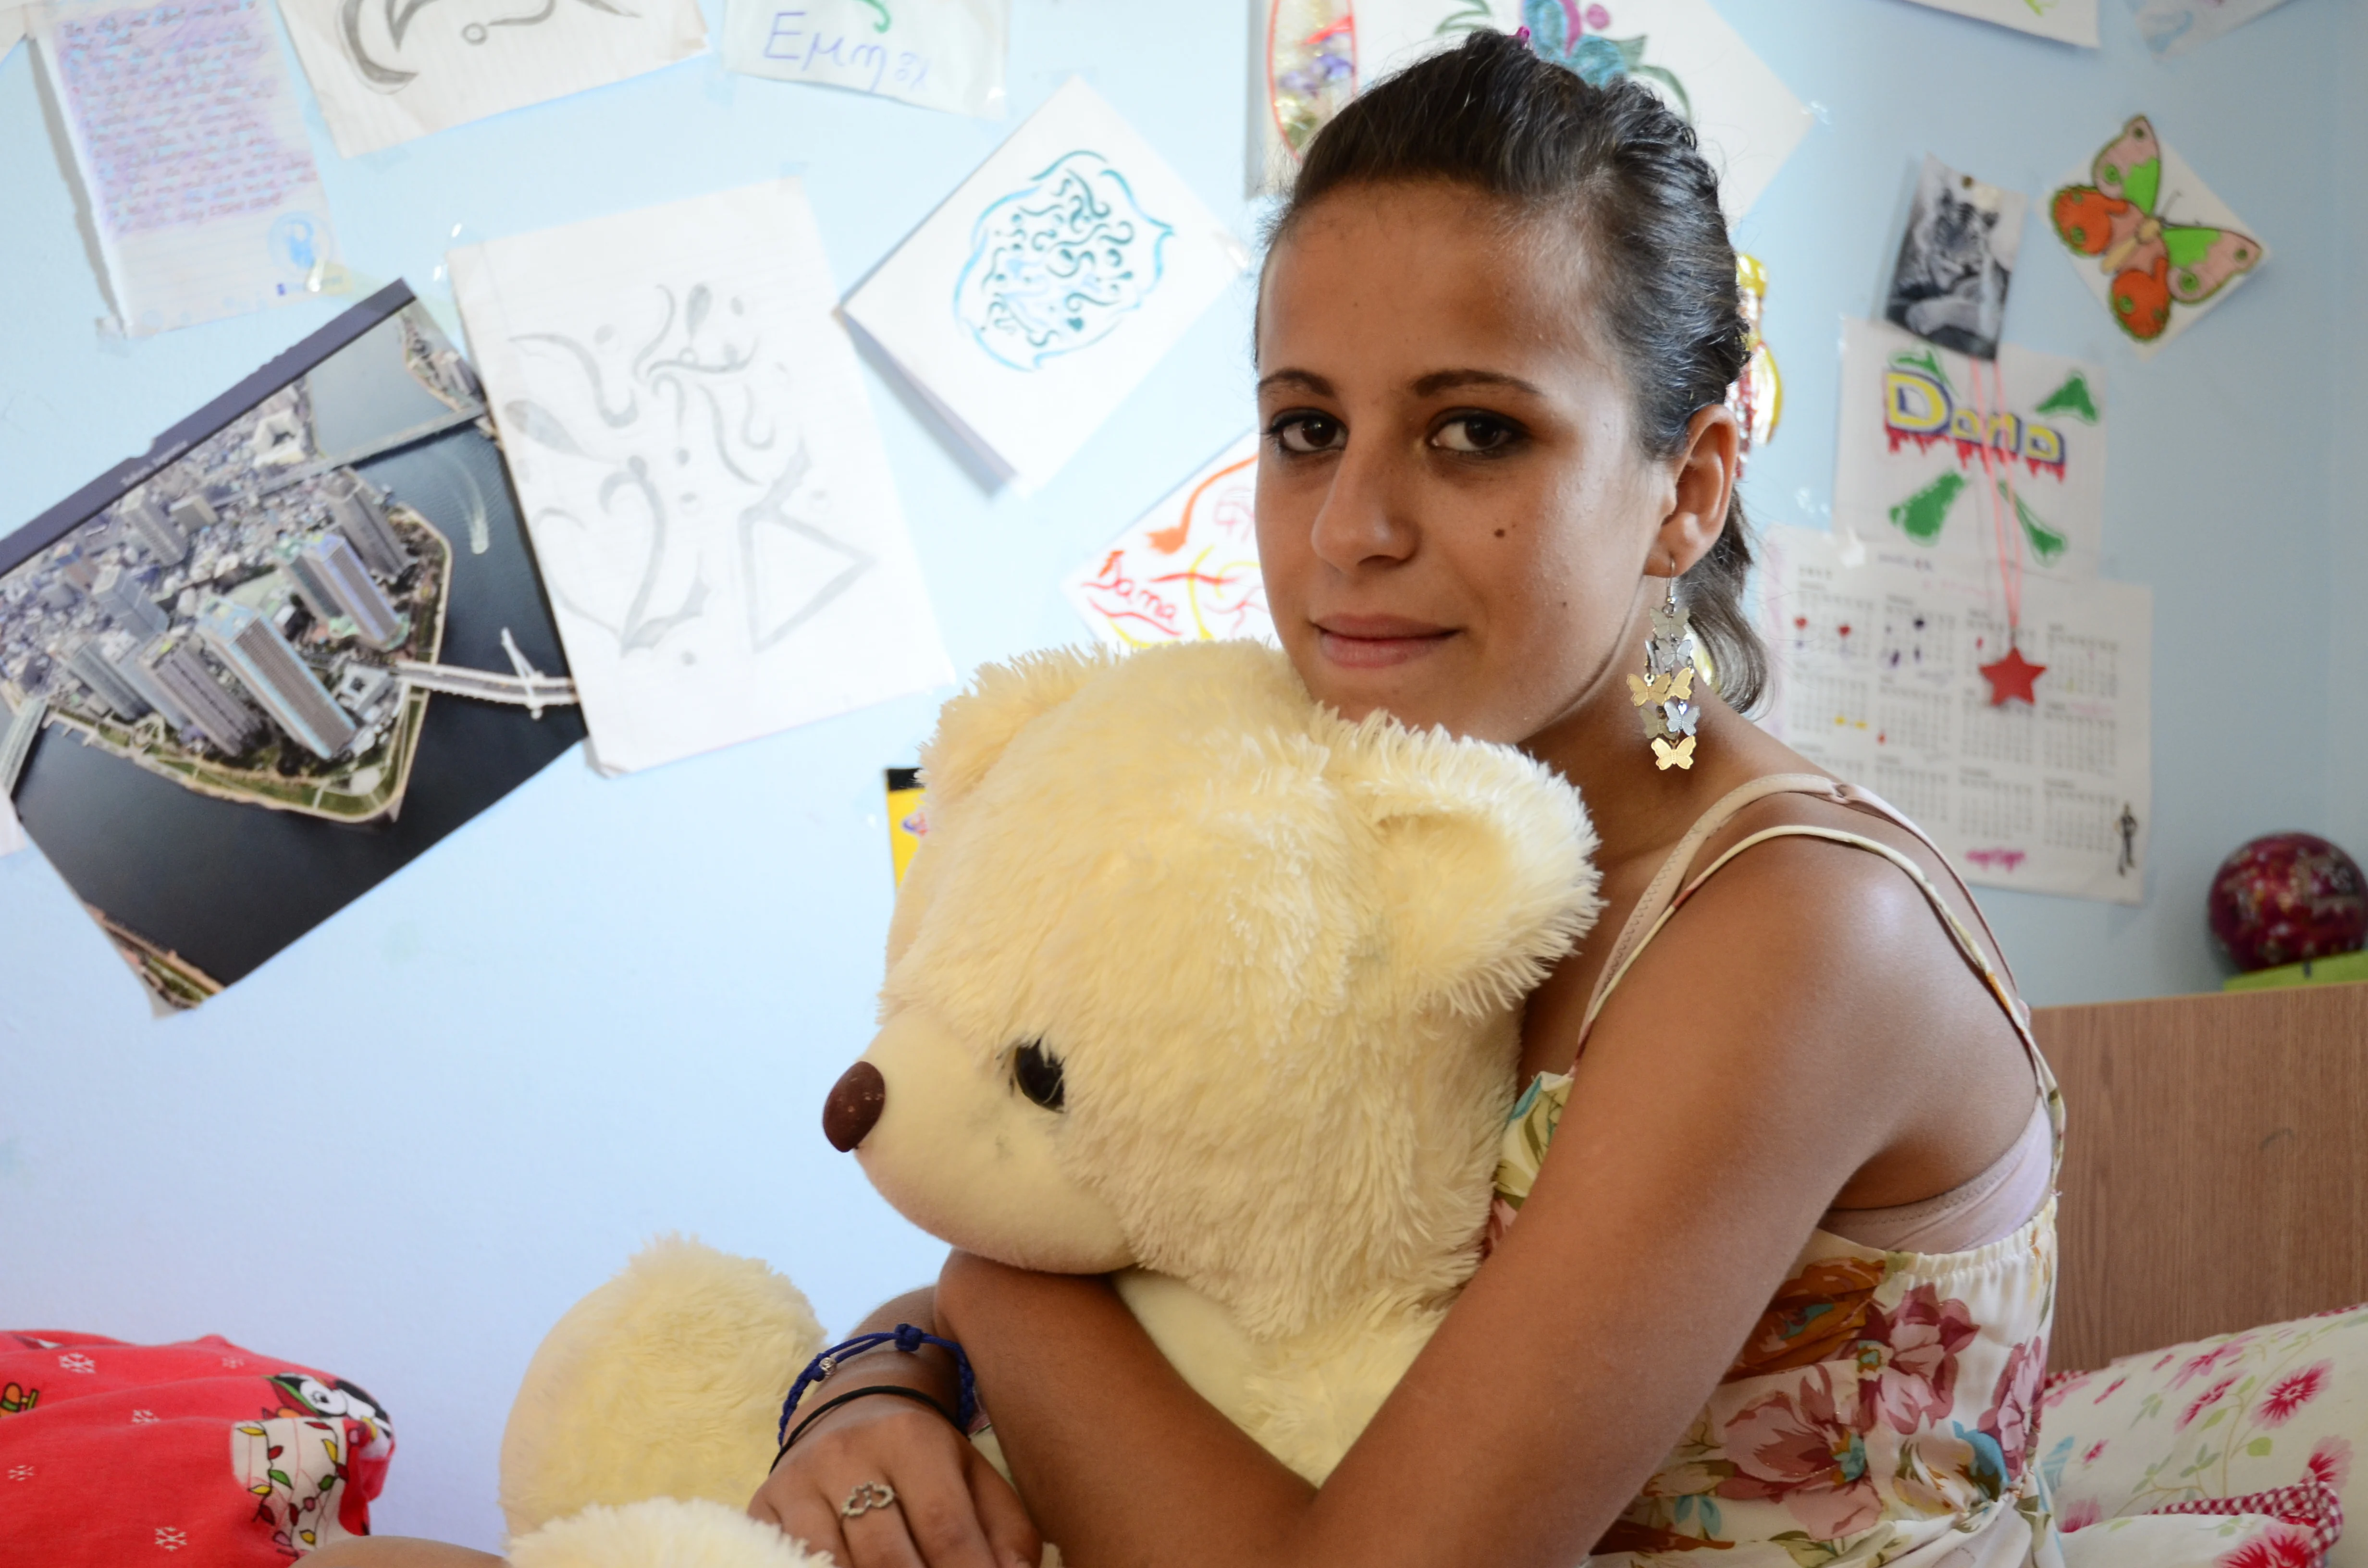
1501 533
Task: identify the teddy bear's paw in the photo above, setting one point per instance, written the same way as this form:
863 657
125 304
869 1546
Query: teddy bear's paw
661 1532
666 1381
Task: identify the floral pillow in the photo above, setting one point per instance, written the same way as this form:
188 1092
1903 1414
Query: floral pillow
2178 1541
2275 1407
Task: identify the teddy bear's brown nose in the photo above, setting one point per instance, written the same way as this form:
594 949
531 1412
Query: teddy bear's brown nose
854 1107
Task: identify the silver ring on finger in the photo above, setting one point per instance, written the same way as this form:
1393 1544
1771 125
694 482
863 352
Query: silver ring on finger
866 1497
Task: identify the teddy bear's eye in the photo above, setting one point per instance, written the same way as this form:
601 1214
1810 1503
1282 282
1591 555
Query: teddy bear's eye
1037 1072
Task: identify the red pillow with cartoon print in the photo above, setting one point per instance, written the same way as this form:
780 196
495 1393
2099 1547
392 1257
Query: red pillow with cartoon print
113 1453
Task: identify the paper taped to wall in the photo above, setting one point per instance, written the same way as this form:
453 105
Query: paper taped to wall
940 54
1876 670
908 819
199 180
1186 569
2174 27
256 672
1956 260
1748 120
1047 286
1310 57
2149 238
1938 452
387 71
705 487
2065 21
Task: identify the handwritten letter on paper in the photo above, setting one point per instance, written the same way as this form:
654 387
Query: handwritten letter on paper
941 54
192 154
709 499
387 71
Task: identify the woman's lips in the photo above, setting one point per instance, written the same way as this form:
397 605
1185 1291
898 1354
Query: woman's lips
1376 641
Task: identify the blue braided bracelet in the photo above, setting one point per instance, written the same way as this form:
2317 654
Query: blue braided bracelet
906 1337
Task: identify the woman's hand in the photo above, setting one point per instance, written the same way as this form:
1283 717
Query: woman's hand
952 1509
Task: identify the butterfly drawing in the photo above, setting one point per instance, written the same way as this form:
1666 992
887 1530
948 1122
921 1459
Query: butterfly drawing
2154 262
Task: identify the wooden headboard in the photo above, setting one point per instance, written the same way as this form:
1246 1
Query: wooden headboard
2215 1171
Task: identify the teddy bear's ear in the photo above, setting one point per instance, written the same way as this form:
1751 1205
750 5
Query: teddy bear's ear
1486 871
975 727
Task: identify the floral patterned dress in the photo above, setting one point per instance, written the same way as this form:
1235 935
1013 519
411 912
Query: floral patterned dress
1880 1410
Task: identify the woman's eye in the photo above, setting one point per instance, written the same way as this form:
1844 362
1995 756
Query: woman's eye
1476 433
1302 434
1036 1073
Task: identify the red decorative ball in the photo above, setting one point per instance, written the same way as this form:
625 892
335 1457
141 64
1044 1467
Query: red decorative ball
2287 897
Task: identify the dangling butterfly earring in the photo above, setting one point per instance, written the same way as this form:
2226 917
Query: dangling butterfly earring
1665 690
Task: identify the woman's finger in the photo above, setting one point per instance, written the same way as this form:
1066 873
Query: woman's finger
943 1520
807 1522
1011 1535
922 1463
880 1538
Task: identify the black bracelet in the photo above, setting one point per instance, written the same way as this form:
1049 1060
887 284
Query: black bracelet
826 1406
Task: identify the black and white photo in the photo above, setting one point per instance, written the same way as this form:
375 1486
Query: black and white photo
1955 261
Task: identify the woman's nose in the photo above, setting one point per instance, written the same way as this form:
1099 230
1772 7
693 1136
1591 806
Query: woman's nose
854 1107
1359 524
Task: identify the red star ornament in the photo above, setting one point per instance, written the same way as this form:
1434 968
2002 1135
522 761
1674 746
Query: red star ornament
2012 676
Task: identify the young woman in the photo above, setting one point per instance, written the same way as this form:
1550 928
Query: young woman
1779 1288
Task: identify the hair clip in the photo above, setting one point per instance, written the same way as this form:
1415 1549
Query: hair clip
1521 36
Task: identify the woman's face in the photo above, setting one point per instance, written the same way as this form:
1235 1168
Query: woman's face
1454 512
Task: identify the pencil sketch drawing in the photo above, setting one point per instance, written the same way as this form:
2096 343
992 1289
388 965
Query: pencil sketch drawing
699 485
375 50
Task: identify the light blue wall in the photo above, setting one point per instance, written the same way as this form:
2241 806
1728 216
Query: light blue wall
2346 604
608 1008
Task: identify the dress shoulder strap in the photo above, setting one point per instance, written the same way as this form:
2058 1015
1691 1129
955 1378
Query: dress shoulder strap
1667 892
1661 893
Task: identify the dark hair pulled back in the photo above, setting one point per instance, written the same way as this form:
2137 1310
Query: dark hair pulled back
1624 168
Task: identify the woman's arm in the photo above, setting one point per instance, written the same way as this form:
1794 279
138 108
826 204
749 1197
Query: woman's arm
398 1551
1772 1041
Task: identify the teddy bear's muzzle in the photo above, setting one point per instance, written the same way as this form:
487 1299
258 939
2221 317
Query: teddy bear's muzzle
854 1107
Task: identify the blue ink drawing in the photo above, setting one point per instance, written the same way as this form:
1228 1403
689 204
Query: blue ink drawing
1057 264
295 240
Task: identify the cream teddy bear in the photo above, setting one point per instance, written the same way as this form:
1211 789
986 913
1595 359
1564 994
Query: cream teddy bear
1192 980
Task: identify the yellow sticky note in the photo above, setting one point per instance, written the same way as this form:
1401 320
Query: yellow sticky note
906 823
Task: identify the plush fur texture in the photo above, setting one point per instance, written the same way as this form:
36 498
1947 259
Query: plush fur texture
666 1381
1281 958
661 1533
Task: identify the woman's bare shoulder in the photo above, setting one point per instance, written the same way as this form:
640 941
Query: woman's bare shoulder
1850 976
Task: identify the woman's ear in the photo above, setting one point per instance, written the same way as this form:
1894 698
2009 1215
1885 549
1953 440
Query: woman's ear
1706 472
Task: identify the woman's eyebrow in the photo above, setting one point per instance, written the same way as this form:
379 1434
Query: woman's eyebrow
1307 380
1439 382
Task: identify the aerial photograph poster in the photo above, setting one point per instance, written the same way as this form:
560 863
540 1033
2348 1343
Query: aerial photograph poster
248 676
